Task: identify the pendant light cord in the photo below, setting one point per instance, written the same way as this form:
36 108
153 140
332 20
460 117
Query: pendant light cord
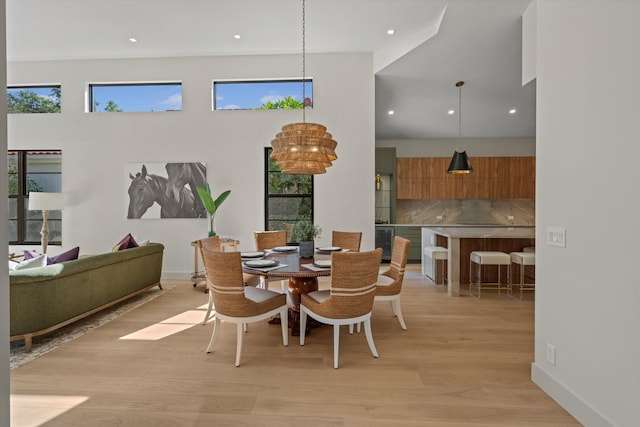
459 84
304 98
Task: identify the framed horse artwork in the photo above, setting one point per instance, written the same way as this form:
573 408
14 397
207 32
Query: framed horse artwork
165 190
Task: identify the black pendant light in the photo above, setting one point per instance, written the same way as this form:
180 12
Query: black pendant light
459 162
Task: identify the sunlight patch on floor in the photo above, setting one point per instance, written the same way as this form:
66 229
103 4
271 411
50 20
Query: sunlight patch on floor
36 410
170 326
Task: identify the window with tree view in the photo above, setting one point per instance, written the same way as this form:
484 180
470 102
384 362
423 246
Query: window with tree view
262 95
135 97
32 170
288 198
33 99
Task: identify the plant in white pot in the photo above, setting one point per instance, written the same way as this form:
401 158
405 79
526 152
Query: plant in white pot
211 205
305 233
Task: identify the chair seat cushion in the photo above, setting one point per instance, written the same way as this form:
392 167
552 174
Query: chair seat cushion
384 280
523 258
319 296
490 258
258 294
436 252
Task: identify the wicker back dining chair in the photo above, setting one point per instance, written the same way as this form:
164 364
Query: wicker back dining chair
349 299
237 303
346 240
211 243
389 290
268 240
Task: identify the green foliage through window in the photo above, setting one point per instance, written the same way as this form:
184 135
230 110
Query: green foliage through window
33 99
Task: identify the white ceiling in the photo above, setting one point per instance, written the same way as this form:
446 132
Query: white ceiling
436 43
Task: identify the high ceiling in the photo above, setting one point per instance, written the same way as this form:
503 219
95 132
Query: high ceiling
436 43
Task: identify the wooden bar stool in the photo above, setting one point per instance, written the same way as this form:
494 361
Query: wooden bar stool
437 253
489 258
524 259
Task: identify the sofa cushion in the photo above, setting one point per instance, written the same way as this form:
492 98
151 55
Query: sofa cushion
69 255
39 261
28 254
126 242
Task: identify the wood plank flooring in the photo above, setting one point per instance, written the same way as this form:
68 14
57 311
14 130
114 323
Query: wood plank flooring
462 362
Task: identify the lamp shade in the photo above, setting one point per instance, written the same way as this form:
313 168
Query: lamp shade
459 163
46 201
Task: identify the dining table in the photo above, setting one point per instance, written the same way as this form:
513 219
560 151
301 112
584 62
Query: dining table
302 273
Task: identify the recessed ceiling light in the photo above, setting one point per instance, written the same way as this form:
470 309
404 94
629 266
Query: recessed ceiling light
237 36
391 31
391 112
450 112
512 111
133 39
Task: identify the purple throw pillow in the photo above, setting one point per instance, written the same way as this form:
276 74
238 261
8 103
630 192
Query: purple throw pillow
28 254
69 255
127 242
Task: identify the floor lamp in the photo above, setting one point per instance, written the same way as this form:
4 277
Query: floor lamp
45 202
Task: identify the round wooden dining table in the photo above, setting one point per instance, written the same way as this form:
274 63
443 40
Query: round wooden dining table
301 279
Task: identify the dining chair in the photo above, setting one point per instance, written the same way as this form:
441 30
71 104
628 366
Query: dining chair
346 240
211 243
389 290
269 240
237 303
348 300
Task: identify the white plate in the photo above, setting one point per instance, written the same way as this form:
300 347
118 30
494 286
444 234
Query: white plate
285 248
252 254
261 263
330 249
324 263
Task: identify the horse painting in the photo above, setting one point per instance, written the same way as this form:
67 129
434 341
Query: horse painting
146 189
192 174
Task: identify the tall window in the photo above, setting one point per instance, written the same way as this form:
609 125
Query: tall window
135 97
262 95
33 170
288 198
33 99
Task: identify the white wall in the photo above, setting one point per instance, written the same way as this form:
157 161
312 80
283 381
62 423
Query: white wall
473 147
588 134
4 236
96 147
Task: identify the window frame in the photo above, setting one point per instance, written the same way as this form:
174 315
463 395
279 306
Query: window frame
91 86
268 196
258 81
23 196
35 86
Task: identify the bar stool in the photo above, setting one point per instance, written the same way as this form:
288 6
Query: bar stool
488 258
529 249
437 253
523 259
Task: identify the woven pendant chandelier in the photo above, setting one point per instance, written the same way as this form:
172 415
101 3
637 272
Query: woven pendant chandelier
304 148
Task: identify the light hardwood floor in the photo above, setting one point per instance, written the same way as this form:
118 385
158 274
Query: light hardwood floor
462 362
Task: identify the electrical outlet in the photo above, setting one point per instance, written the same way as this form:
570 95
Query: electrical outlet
510 217
551 354
439 217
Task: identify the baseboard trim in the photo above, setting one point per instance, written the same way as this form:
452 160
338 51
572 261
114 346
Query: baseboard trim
566 398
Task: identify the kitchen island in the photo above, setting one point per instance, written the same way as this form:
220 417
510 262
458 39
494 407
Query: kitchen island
460 241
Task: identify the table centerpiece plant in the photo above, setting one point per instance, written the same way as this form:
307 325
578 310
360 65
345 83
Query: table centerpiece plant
305 233
211 205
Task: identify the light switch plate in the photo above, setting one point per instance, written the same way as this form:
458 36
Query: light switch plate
557 236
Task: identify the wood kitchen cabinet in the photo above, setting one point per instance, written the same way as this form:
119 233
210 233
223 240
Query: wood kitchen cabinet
492 178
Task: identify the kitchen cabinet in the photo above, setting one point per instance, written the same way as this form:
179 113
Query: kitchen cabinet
386 191
414 234
492 178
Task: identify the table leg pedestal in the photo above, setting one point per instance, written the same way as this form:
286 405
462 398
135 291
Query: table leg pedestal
297 287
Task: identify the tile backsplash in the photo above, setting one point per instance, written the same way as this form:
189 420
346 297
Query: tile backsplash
466 211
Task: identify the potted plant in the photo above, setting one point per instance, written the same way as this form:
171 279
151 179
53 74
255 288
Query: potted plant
210 204
305 233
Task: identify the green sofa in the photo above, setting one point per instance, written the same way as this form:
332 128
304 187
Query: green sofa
44 299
